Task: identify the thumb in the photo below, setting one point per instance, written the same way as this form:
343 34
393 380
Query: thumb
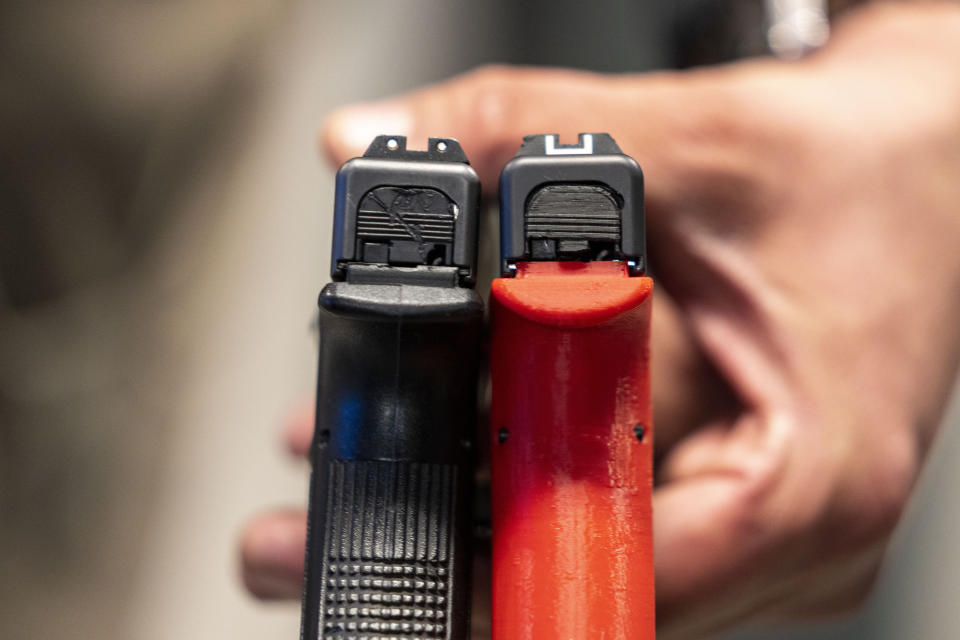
489 110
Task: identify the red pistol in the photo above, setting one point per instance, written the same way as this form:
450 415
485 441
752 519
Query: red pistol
571 426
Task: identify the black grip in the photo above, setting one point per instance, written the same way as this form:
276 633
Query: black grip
389 524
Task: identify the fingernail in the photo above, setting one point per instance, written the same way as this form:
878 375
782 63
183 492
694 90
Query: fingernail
348 131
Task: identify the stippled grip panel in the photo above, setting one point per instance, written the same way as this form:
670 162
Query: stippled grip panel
388 551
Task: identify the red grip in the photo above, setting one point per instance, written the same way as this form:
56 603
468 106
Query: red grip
572 446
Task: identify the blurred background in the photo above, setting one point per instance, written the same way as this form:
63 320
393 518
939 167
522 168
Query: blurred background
164 232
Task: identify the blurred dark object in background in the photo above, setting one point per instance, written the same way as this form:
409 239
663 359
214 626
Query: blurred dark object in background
716 31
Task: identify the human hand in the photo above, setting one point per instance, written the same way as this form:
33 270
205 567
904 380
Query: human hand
803 226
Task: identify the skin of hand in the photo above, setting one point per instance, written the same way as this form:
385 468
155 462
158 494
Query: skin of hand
804 231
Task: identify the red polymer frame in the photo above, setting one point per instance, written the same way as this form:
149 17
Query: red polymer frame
572 444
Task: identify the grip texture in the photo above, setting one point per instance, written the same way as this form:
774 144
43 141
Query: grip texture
387 557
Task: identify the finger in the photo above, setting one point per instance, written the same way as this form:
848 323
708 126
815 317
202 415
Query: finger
738 517
271 554
298 429
487 110
708 538
490 110
686 389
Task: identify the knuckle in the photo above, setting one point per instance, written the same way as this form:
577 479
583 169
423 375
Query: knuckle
781 503
758 518
491 99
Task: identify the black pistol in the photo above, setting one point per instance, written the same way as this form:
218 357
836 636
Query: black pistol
389 524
